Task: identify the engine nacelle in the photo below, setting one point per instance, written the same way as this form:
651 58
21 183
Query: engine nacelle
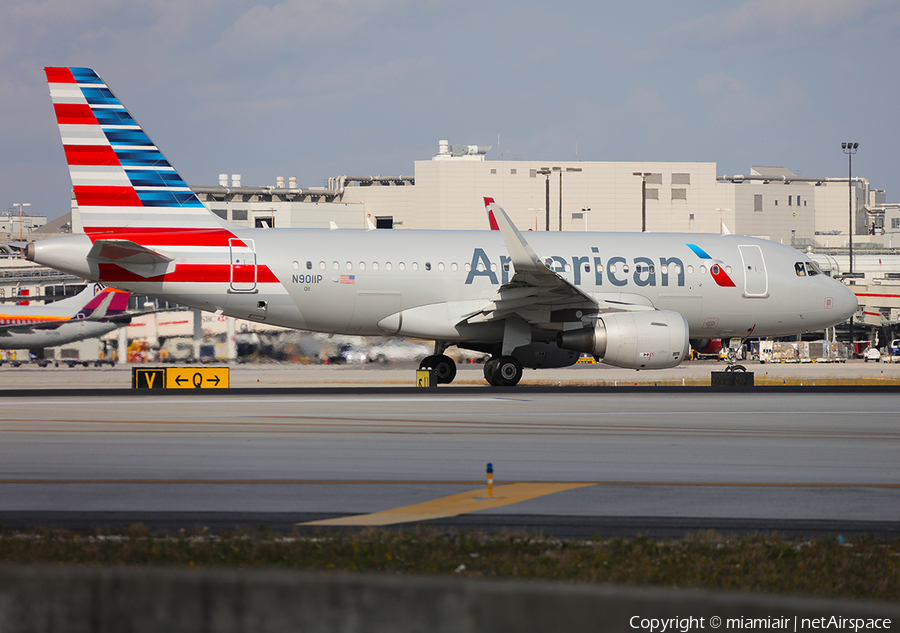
653 339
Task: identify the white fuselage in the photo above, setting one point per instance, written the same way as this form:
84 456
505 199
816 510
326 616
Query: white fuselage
59 334
353 281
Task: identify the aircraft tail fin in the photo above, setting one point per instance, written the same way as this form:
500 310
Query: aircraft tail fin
120 178
106 302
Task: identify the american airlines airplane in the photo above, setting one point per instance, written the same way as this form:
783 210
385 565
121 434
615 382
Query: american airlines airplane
91 313
633 300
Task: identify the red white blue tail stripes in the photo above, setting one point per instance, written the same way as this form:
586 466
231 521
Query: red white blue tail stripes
120 177
146 225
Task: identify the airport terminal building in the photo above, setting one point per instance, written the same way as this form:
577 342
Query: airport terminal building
447 192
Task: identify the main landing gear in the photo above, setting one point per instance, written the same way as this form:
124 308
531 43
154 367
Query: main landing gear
504 371
499 371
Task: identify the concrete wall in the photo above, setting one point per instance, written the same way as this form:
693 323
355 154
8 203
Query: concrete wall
784 209
45 598
682 197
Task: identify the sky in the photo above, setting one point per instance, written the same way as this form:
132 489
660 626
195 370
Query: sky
321 88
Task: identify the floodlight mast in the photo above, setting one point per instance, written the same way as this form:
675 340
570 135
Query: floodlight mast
850 149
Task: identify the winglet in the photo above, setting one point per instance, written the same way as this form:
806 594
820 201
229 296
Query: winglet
491 219
524 259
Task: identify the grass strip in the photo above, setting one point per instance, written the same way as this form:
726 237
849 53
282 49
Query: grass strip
864 568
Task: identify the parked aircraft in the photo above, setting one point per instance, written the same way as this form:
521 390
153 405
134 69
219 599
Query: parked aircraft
91 313
633 300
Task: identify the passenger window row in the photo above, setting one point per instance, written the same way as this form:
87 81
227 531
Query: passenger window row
387 266
441 267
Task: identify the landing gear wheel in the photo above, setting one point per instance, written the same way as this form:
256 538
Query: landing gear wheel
508 372
490 371
443 367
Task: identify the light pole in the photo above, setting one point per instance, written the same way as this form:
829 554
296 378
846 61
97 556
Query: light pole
568 169
850 150
584 214
545 171
721 221
20 205
643 176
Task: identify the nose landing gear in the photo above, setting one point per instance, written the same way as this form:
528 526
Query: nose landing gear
443 366
732 354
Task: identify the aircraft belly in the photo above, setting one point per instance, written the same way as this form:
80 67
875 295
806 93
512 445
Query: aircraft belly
370 307
328 307
274 308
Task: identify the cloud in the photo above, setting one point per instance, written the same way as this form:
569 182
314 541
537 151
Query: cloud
718 83
735 104
265 31
769 24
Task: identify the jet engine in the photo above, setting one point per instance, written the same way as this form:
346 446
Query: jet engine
653 339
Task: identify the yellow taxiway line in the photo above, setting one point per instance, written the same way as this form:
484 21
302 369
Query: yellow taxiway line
454 505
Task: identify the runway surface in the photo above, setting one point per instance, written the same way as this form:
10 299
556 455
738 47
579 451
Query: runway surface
566 462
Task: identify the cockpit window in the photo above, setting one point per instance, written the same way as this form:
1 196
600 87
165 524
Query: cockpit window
807 269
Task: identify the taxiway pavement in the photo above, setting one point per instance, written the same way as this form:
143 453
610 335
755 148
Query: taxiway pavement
650 461
403 374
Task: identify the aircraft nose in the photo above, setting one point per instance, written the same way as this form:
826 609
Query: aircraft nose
845 302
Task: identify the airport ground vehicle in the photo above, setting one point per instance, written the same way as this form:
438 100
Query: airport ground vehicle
872 353
893 351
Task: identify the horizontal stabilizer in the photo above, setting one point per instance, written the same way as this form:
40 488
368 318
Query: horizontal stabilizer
131 256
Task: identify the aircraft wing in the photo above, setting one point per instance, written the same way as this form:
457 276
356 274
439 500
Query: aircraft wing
535 292
538 294
9 330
